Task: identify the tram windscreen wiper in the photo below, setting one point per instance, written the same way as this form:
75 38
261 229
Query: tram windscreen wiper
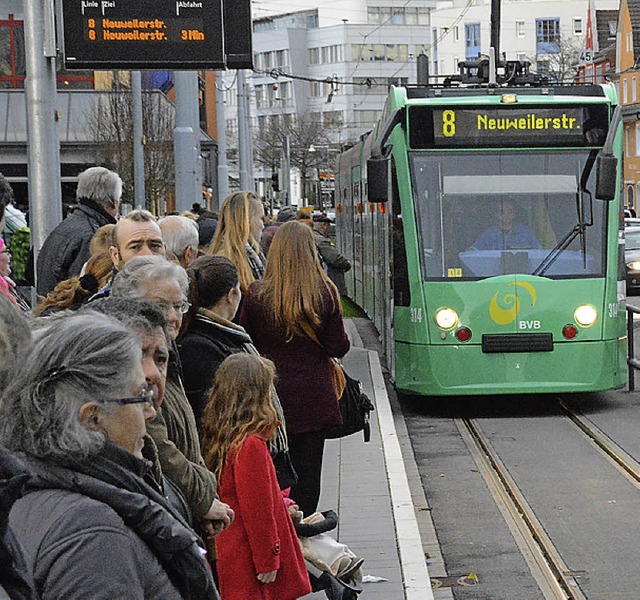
580 226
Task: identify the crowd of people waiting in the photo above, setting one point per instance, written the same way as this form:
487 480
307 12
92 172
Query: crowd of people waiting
162 401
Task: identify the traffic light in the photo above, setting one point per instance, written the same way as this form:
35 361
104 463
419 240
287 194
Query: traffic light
275 182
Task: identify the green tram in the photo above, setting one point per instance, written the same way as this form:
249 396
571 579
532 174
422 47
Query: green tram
483 228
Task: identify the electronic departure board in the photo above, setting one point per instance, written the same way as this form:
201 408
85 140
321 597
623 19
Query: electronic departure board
531 126
143 34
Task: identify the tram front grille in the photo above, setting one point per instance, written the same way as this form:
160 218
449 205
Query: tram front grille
517 342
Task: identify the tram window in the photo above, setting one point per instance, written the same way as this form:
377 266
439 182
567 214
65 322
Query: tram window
401 290
506 213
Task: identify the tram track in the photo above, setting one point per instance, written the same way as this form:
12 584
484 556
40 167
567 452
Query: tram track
620 459
554 578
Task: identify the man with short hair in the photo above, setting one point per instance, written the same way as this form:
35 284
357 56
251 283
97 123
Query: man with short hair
136 234
180 235
66 248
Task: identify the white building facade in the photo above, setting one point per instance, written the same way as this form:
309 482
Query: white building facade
529 30
331 65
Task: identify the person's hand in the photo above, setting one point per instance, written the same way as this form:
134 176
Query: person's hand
269 577
212 529
219 517
219 511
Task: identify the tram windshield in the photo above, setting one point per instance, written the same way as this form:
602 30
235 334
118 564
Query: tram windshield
482 214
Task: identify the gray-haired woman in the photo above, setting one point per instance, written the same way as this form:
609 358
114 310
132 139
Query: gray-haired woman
90 525
174 431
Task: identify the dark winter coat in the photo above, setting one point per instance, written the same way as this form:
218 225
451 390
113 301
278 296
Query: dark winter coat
305 384
262 537
208 341
96 530
66 248
336 264
15 580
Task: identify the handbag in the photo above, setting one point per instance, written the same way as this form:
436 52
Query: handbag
355 405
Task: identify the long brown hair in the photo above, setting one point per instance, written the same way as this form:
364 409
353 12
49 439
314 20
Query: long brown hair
76 290
234 232
294 286
239 405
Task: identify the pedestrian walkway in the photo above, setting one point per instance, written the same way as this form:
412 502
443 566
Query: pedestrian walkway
367 485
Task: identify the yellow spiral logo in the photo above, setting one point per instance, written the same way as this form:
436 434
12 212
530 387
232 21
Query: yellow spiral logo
503 315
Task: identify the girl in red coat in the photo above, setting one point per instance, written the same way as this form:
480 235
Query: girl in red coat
259 556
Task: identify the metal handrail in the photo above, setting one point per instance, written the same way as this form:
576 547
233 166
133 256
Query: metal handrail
632 362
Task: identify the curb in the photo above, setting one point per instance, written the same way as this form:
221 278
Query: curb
415 575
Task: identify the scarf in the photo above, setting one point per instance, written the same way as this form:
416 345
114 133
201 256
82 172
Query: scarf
114 477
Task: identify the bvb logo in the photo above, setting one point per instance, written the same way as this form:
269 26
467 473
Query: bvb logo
504 316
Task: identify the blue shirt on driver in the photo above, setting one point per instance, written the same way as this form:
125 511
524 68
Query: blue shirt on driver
520 237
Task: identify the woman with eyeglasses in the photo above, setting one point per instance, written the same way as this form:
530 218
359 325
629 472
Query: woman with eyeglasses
90 525
174 430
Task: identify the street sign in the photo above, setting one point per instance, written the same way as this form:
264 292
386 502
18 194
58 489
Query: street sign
145 34
586 56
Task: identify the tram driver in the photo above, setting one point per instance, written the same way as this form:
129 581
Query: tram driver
506 234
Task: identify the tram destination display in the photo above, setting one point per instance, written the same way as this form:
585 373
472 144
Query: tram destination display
145 34
504 126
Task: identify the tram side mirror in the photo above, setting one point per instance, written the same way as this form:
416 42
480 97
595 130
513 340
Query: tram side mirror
378 179
606 174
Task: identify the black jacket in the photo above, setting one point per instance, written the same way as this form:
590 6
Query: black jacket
95 529
15 579
66 248
208 341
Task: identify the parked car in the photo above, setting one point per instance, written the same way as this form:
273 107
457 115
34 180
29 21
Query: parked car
632 258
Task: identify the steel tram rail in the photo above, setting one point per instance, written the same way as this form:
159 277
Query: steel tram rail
553 576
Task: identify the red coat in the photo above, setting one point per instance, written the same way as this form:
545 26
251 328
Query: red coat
262 537
304 384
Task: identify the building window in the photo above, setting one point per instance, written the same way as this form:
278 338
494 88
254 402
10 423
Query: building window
627 141
332 119
577 26
472 40
547 35
637 139
634 95
314 56
381 52
625 91
366 118
520 32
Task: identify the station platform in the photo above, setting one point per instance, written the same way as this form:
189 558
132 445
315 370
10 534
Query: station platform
376 492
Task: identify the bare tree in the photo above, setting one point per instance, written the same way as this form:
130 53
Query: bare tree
311 145
562 65
110 122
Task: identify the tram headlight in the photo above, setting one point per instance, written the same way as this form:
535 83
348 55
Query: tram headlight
446 318
585 315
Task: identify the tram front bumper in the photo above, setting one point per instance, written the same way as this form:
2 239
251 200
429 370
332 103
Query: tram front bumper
465 370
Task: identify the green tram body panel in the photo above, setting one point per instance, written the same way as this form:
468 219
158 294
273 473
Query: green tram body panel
443 195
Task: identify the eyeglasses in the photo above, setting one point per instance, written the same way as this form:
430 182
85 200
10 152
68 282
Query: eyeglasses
183 307
146 399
